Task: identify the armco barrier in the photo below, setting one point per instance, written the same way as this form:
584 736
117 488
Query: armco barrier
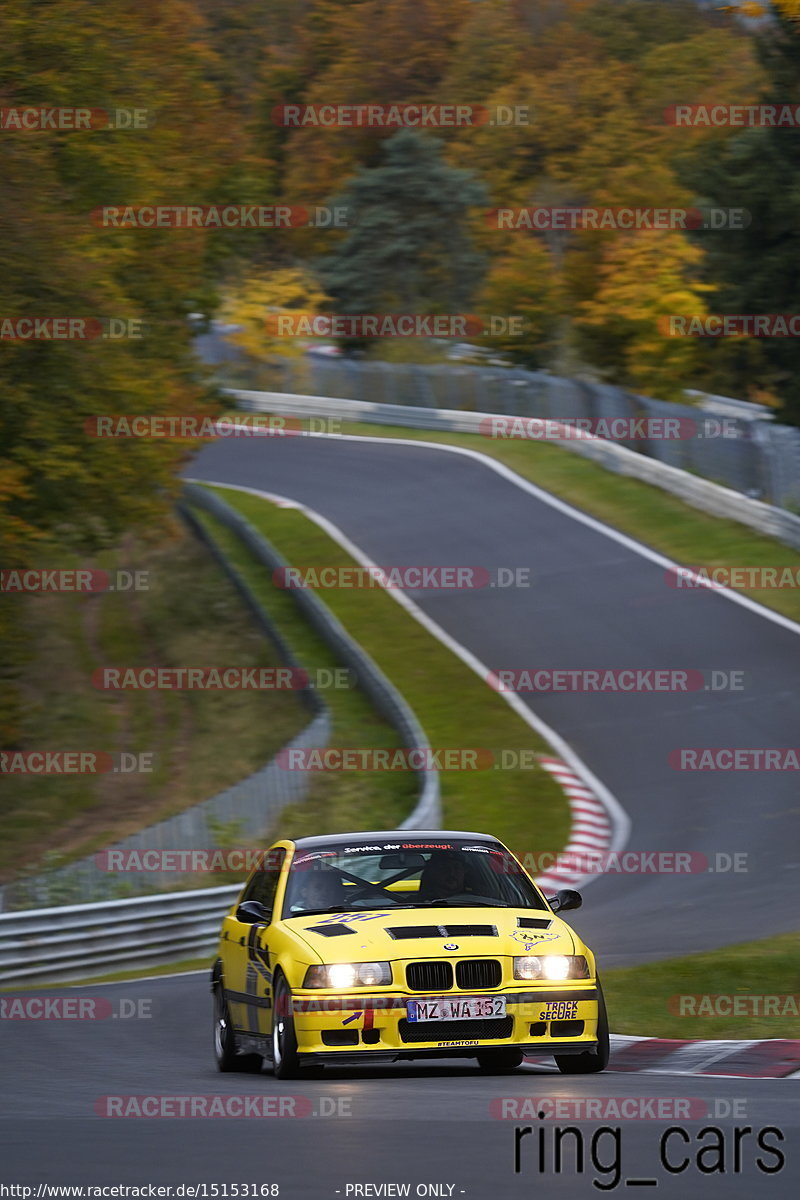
758 457
90 939
70 942
244 810
699 493
383 694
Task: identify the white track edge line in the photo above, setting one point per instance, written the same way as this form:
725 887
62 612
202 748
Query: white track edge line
619 819
623 539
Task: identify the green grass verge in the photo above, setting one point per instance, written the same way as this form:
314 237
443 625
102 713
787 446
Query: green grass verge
344 800
200 742
645 1000
523 807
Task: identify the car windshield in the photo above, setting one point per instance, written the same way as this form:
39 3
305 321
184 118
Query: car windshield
406 874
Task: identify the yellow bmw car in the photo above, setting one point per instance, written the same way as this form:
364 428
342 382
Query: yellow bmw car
371 947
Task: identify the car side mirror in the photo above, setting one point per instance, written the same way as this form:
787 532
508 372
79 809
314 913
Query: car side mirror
565 899
252 912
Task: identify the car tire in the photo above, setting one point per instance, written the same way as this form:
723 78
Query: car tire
285 1059
499 1062
225 1039
589 1063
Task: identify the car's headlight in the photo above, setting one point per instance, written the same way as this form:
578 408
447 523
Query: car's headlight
551 966
348 975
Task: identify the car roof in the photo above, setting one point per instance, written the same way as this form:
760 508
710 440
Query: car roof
406 835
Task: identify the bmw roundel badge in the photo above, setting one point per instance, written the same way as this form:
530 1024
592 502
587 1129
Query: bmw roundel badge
451 945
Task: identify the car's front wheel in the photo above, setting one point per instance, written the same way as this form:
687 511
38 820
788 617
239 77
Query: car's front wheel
285 1059
589 1063
499 1062
225 1039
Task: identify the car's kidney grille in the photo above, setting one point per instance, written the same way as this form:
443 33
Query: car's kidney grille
452 1031
429 976
478 973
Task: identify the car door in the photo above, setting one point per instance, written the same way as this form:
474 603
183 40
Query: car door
248 975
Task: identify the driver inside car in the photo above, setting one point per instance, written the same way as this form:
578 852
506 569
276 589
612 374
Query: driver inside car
318 888
443 875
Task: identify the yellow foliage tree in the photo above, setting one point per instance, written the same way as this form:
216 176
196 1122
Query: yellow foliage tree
526 283
289 290
644 278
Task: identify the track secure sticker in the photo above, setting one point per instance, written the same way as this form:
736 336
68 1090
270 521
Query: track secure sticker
559 1010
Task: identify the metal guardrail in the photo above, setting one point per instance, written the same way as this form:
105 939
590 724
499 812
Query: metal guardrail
759 458
84 939
69 942
241 812
383 694
700 493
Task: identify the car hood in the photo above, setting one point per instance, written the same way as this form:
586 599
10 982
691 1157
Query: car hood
432 932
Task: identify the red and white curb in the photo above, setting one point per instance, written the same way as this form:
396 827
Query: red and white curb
775 1058
590 834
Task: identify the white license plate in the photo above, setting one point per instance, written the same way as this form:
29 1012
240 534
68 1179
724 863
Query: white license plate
456 1008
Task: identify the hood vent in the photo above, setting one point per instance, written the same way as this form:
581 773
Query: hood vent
533 922
335 930
441 931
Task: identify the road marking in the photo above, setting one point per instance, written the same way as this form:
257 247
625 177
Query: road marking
619 820
623 539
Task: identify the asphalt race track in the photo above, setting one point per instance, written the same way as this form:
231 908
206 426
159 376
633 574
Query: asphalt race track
592 603
405 1123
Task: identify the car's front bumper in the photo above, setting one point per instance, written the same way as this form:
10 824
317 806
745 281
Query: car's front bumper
349 1027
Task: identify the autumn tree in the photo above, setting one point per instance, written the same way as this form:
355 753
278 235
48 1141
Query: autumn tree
377 53
757 268
645 278
255 302
410 249
526 284
56 261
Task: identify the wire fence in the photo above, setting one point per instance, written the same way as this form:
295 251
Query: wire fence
757 457
242 814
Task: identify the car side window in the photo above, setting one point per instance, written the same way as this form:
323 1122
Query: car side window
264 883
